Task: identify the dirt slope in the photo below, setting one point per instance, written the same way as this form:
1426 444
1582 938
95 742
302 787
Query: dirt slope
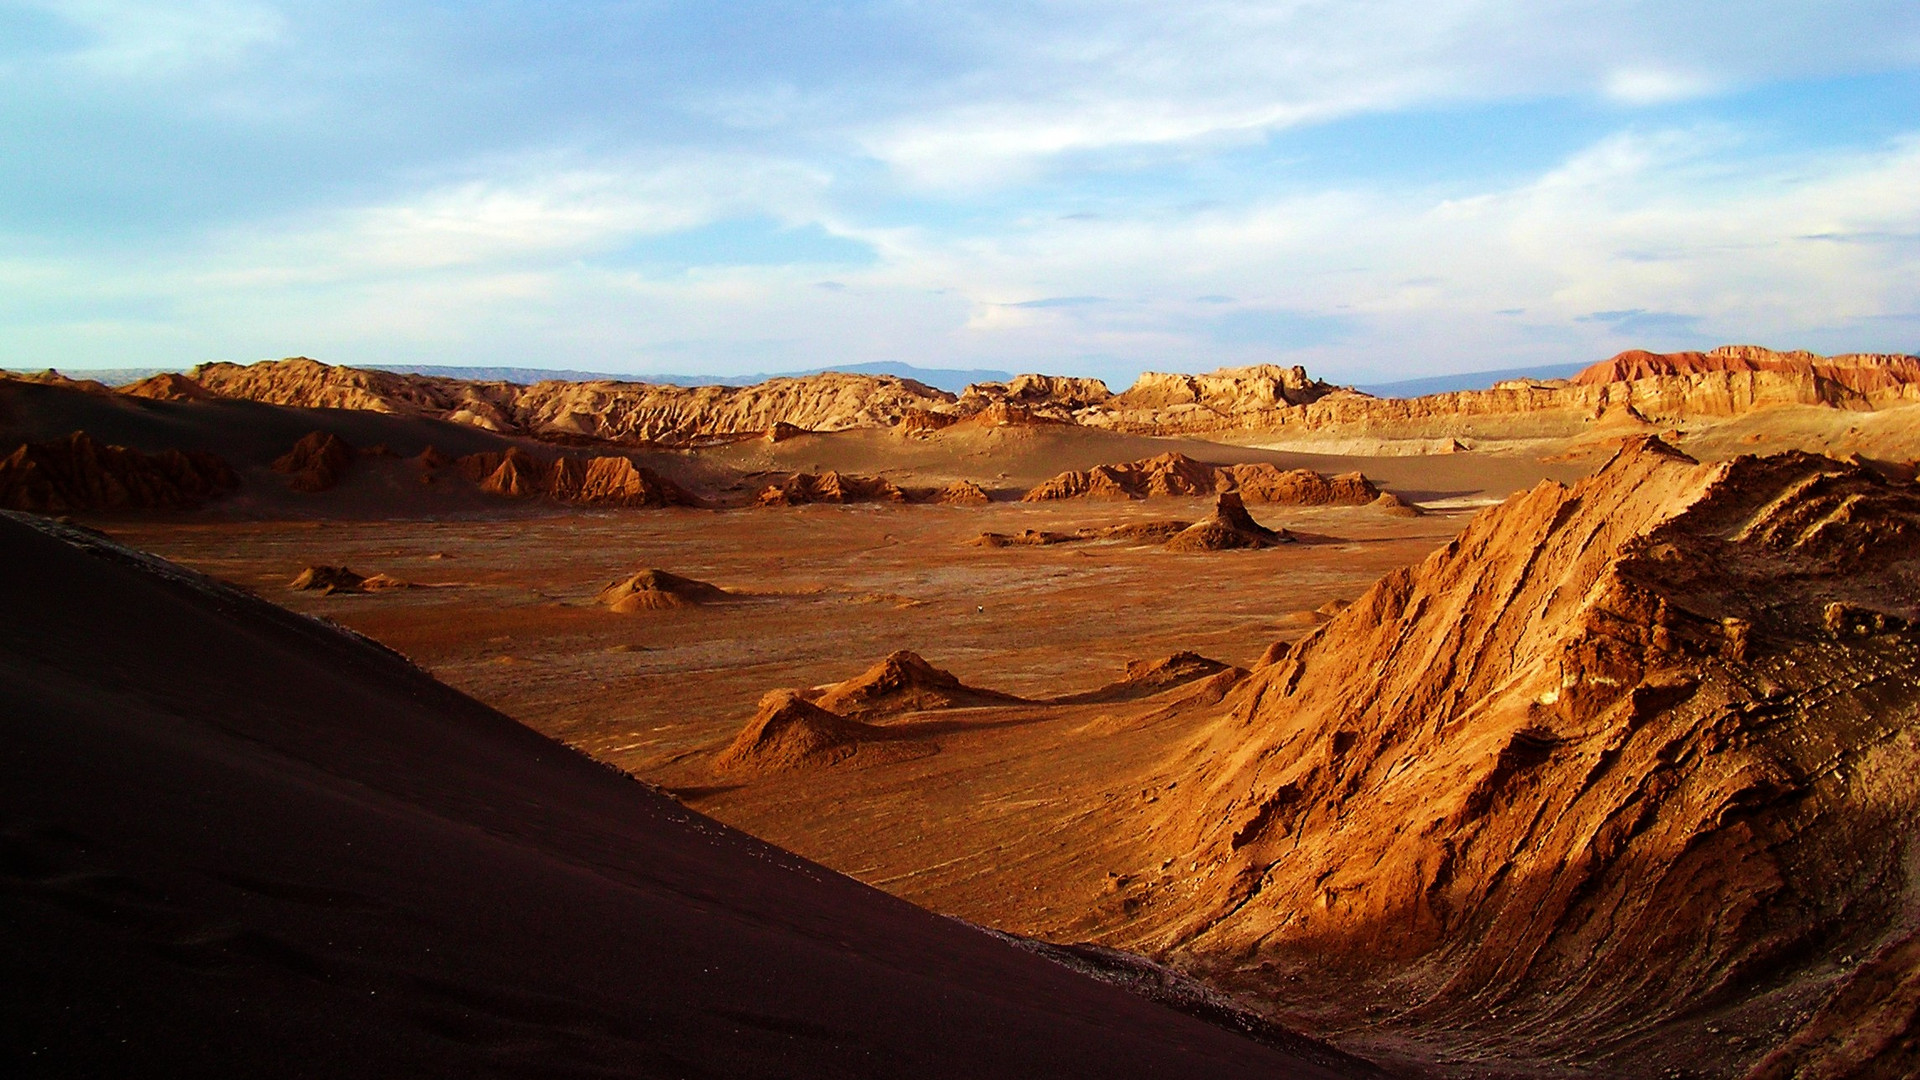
1624 776
255 844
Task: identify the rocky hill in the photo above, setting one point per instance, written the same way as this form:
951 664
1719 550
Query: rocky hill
78 473
614 411
1624 778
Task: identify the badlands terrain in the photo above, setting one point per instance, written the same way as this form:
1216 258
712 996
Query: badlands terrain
1558 729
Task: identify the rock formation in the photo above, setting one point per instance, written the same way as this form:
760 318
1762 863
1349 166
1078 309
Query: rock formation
617 411
327 580
1144 678
315 462
597 481
654 589
903 682
790 732
1178 474
166 386
800 489
1661 388
50 377
1229 527
1607 769
79 474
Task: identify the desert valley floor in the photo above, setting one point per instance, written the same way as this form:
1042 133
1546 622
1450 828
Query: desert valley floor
1584 750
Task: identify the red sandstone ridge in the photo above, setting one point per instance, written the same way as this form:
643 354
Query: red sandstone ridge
1865 374
316 462
1602 772
79 474
1178 474
598 481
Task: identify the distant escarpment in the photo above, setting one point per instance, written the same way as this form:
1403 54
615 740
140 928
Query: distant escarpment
613 411
1626 777
78 474
1266 398
1178 474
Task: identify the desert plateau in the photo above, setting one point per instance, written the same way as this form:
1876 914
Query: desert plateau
1245 724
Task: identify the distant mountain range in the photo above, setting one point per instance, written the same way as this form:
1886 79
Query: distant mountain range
949 379
952 380
1469 380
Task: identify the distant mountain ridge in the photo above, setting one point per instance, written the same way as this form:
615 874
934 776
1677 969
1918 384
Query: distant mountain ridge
952 380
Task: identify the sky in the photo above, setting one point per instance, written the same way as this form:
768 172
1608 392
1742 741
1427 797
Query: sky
1375 189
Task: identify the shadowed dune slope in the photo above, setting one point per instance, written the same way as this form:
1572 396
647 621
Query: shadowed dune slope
237 841
1626 766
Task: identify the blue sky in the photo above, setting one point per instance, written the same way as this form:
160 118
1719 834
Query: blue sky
1376 189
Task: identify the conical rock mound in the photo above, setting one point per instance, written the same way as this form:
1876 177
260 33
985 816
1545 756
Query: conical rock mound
790 732
652 589
904 682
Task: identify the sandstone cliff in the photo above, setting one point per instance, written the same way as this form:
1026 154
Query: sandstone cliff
1620 762
78 474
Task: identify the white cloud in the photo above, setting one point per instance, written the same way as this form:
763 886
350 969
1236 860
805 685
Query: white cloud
142 39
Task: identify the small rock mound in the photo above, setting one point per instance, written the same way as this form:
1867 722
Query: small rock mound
1393 504
1230 527
77 473
327 580
904 682
316 462
789 732
1145 678
781 431
962 493
655 589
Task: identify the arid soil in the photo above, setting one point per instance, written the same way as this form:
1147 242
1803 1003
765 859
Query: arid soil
238 843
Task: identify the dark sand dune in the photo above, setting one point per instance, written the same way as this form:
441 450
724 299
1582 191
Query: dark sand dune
236 841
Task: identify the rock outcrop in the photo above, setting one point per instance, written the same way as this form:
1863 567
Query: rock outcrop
316 462
655 589
1178 474
790 732
596 481
801 489
78 474
1600 773
166 386
903 682
327 580
1228 528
